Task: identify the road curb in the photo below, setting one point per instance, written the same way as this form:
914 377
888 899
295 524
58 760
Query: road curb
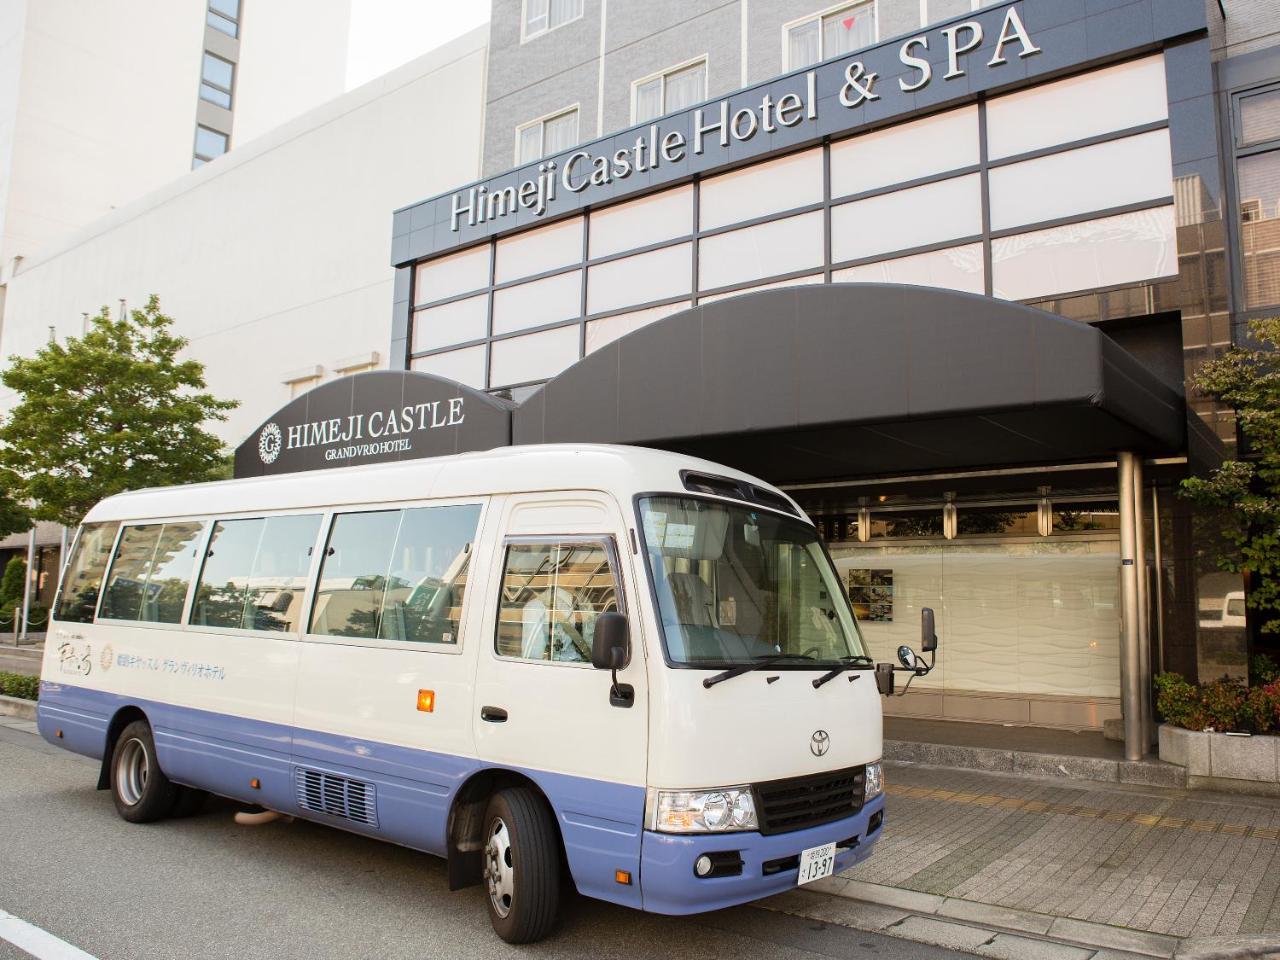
17 707
999 932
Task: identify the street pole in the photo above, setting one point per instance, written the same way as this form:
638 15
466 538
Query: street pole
26 587
1130 631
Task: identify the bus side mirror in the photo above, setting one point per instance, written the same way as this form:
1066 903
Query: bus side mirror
928 638
611 642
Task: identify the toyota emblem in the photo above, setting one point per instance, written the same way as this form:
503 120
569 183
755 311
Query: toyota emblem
819 743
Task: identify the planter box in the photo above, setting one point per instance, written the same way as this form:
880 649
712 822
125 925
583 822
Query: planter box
1216 761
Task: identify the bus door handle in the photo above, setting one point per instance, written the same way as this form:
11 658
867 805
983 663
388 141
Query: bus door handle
493 714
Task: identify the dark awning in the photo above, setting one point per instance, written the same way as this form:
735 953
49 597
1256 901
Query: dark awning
812 382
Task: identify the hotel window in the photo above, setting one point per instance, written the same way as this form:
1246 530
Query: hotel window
669 91
224 15
546 135
543 15
829 34
1258 184
216 76
210 144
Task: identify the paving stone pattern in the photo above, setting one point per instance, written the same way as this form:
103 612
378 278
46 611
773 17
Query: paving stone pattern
1166 861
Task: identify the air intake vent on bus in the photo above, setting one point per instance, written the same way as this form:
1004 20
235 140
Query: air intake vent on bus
337 796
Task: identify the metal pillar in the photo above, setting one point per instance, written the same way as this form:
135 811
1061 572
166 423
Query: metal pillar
1158 561
1144 608
26 586
1130 629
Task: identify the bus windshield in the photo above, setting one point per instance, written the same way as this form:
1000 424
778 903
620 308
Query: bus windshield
735 585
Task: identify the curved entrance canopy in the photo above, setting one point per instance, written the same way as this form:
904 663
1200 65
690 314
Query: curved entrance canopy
812 382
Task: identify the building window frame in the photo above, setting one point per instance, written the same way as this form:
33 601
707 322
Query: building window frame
198 158
819 16
541 122
663 75
227 91
526 34
1240 151
220 21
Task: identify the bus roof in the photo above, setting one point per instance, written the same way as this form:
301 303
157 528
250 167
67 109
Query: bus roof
622 470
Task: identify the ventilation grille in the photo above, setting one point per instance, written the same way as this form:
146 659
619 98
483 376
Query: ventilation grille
337 796
800 802
736 490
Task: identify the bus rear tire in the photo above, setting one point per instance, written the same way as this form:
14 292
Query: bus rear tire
521 860
141 791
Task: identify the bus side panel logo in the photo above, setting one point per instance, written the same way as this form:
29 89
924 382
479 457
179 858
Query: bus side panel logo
819 743
269 443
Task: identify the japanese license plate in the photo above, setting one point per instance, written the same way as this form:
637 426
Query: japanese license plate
816 863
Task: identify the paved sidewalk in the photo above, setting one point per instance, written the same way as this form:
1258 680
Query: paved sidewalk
1174 862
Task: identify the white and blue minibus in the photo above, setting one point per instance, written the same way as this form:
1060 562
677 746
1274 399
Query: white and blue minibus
627 667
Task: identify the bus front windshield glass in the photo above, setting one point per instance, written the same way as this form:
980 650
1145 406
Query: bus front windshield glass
736 585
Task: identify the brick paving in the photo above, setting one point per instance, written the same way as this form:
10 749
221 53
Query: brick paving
1165 861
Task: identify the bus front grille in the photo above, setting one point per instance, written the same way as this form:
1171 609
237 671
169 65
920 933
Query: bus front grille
799 802
336 796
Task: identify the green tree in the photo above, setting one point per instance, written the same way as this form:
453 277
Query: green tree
14 517
13 580
1247 490
114 410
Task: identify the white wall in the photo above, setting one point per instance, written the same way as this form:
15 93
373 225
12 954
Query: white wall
293 58
105 111
277 255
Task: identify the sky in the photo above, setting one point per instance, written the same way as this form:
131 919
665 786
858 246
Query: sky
387 33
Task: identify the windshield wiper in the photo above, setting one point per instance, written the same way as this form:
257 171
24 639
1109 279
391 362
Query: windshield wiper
845 664
756 664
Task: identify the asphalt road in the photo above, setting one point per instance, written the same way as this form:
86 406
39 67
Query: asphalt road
204 887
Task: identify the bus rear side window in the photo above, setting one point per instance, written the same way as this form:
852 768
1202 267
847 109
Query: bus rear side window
83 580
150 573
255 573
396 574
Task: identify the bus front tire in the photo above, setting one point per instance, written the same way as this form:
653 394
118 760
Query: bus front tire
141 791
521 861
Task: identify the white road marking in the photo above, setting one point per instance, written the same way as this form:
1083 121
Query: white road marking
39 943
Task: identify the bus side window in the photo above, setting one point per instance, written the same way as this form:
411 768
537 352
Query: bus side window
255 573
396 574
150 572
79 595
552 594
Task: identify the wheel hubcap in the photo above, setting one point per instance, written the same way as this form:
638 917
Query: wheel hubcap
499 875
132 768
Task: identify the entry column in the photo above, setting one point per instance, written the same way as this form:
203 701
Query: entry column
1131 675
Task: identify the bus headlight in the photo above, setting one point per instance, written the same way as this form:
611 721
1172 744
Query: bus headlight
718 810
875 781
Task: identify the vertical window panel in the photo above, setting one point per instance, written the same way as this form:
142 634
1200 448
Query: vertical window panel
1092 178
937 144
1259 180
767 249
782 184
657 275
1106 252
956 268
551 595
608 329
1126 95
533 357
457 322
150 573
1260 117
449 276
540 250
935 212
467 366
538 303
639 223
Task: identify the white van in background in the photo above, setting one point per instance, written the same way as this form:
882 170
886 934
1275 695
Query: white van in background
636 664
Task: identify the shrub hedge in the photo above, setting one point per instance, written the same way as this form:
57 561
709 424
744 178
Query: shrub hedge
19 685
1223 705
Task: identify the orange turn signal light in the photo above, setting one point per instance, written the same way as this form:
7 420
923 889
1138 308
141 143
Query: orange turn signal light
427 701
623 877
255 783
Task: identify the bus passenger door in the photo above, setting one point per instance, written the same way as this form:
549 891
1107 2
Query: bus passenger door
541 708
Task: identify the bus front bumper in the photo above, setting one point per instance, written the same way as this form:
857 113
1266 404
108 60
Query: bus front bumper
769 864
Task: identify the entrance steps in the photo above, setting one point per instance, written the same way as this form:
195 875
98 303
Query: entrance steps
1023 751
